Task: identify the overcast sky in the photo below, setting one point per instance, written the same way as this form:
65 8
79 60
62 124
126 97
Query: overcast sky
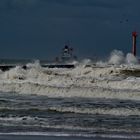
40 28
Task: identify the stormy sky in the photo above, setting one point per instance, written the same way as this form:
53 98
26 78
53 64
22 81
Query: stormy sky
38 29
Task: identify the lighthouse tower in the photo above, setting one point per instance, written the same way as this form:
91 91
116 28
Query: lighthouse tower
134 37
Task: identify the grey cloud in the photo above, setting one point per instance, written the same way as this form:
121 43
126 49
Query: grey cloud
11 4
91 3
18 2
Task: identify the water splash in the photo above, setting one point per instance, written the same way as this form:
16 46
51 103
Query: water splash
116 57
131 59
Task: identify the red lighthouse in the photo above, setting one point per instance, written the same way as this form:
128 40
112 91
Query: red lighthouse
134 35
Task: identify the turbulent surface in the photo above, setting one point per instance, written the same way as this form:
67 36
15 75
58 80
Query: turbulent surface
69 116
121 82
89 100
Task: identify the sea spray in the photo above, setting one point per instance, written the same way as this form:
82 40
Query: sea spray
90 99
101 64
86 62
131 59
83 63
35 64
116 57
15 73
86 81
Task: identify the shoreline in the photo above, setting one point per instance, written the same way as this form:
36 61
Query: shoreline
59 136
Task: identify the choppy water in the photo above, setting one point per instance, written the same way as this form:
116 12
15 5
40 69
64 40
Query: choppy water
68 116
94 101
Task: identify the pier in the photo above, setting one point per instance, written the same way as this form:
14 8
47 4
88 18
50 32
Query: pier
8 67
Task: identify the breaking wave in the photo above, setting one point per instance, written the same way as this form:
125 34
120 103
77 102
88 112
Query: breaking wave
117 78
77 110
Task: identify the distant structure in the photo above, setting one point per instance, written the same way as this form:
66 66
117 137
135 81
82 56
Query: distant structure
67 54
134 36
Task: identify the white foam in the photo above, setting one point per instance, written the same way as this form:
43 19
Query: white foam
15 73
92 81
103 111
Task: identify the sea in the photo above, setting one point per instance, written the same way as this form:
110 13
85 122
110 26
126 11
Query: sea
93 101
